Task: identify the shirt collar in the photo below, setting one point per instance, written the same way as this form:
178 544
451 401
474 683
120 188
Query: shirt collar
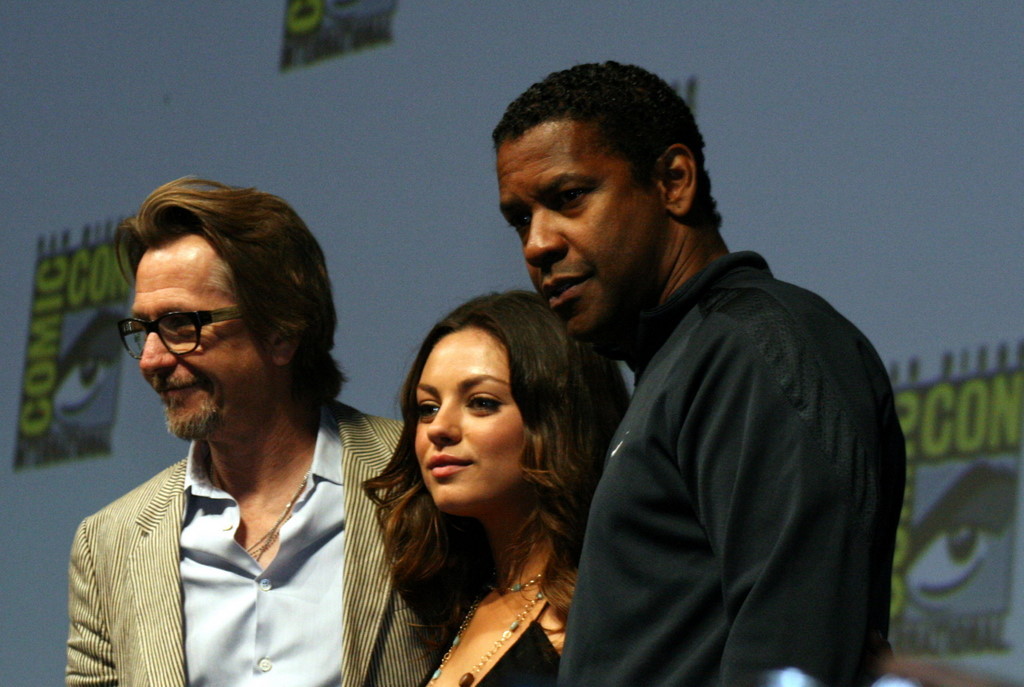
327 454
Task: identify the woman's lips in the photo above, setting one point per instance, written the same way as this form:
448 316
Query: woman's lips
445 466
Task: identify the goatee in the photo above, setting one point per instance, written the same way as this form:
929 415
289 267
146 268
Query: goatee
196 426
191 426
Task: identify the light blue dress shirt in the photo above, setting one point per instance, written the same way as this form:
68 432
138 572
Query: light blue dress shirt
248 626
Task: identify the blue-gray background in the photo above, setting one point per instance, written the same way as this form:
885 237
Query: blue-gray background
871 151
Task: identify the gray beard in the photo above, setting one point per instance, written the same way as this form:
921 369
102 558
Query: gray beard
196 427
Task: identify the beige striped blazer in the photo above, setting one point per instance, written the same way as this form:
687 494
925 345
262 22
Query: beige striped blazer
124 597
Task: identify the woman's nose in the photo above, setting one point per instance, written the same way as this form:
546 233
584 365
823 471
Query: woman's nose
444 429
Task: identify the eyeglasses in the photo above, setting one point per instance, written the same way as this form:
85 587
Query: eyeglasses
179 331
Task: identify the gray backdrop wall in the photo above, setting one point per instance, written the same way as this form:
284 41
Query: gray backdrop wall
871 151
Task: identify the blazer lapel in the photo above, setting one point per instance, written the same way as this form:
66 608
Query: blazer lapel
365 452
155 578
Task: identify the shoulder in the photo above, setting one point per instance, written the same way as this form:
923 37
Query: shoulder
359 427
739 307
754 331
765 334
754 298
784 324
151 499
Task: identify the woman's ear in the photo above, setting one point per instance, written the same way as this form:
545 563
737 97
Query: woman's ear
676 173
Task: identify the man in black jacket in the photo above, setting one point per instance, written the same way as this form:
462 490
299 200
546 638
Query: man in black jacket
746 518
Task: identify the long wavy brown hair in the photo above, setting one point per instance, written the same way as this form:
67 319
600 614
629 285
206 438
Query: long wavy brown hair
571 401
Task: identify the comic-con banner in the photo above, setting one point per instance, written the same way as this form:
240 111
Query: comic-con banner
953 569
72 356
317 29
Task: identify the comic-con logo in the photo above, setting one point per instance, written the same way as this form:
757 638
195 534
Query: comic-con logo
70 379
318 29
952 583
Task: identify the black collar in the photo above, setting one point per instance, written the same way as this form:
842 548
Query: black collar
654 326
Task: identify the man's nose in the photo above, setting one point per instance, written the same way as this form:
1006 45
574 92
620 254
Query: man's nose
544 245
155 354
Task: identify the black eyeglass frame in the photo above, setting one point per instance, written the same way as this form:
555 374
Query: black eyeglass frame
197 317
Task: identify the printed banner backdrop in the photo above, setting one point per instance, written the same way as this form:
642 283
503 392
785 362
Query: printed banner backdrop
953 579
317 29
872 152
72 364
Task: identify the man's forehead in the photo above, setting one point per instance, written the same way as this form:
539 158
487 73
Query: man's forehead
553 151
182 247
580 136
153 299
182 274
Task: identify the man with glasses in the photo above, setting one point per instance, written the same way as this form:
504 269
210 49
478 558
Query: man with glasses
258 555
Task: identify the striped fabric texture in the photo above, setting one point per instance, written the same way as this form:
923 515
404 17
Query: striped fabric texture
124 589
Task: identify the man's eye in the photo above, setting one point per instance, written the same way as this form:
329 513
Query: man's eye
569 197
426 411
519 222
177 329
572 194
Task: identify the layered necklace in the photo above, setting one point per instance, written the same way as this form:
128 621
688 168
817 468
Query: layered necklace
469 678
267 540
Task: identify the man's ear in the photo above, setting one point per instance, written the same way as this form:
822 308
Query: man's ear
282 350
676 173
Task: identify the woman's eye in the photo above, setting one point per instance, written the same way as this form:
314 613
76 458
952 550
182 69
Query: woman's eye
426 411
484 403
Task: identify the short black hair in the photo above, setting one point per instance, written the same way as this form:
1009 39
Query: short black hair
637 113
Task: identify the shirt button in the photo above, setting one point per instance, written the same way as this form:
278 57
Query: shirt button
265 665
266 585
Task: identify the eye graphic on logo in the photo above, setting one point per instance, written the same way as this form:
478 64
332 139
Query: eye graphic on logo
955 542
87 369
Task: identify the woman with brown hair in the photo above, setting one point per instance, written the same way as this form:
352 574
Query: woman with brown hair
485 500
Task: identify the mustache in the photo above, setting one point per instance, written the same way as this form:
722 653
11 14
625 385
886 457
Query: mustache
161 384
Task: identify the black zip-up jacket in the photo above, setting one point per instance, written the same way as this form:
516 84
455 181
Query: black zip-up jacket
747 514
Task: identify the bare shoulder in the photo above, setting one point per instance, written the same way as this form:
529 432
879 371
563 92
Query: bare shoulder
553 626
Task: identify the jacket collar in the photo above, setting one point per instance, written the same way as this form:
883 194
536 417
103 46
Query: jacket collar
655 325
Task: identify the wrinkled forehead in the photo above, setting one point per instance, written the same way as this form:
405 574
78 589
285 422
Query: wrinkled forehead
191 252
179 272
553 147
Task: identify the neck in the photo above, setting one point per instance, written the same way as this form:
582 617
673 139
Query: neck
692 251
271 456
689 251
510 571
